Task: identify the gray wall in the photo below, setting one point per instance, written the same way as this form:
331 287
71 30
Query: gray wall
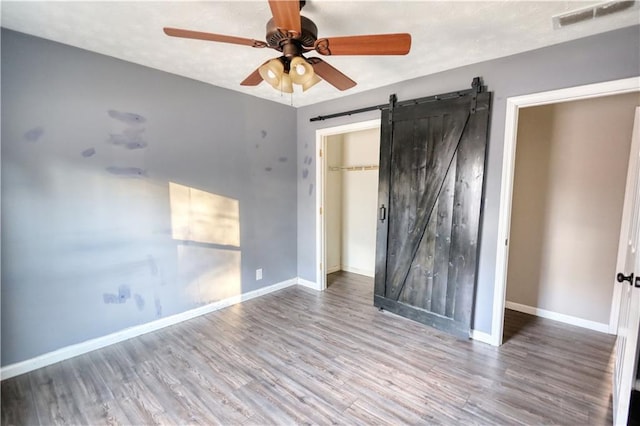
604 57
89 146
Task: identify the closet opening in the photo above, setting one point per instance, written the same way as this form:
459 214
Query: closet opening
347 178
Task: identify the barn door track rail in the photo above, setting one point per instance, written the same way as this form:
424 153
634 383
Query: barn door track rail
476 87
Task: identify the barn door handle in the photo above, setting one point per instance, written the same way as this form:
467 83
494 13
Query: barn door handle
622 278
383 213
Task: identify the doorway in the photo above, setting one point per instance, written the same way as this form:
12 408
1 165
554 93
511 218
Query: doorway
568 195
514 105
347 176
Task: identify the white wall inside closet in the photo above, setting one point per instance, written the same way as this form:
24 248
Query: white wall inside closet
351 201
333 205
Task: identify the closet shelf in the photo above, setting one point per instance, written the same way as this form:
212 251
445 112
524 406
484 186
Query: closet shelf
353 168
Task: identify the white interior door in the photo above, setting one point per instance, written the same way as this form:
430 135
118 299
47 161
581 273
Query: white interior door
629 320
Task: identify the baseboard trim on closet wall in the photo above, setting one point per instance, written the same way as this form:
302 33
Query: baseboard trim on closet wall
358 271
567 319
71 351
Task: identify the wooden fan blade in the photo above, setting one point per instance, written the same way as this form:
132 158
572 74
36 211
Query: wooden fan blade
253 79
286 15
377 44
176 32
331 74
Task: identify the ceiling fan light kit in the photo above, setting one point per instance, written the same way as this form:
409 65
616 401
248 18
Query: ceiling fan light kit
272 71
286 86
311 82
281 73
294 35
300 70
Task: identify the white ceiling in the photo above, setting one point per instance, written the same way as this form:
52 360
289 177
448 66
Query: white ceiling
446 34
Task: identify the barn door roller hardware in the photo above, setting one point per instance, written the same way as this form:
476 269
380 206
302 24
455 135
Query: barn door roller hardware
476 87
393 99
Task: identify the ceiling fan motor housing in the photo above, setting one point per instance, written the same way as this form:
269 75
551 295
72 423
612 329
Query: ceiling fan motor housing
294 35
288 43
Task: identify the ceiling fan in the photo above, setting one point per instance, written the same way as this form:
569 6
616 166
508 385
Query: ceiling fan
294 35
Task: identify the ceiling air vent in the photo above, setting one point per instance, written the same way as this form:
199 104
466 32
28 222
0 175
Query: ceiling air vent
591 12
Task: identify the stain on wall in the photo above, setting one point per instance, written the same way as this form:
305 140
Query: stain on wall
124 294
33 135
305 173
89 152
139 301
158 307
153 266
131 136
110 298
126 117
127 141
126 171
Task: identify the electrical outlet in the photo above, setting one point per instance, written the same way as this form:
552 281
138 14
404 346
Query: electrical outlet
258 274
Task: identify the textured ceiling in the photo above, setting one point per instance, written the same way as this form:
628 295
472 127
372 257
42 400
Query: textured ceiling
446 34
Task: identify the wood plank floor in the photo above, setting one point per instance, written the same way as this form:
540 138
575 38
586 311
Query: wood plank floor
298 356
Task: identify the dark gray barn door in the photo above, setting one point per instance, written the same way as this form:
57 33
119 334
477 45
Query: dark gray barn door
430 194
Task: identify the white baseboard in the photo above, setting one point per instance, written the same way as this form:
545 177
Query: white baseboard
310 284
483 337
365 272
333 269
71 351
567 319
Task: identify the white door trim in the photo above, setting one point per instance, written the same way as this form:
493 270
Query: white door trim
615 87
321 172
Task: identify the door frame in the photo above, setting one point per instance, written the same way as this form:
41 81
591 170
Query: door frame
321 173
615 87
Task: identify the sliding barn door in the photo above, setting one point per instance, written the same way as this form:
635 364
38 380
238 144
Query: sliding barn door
430 197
